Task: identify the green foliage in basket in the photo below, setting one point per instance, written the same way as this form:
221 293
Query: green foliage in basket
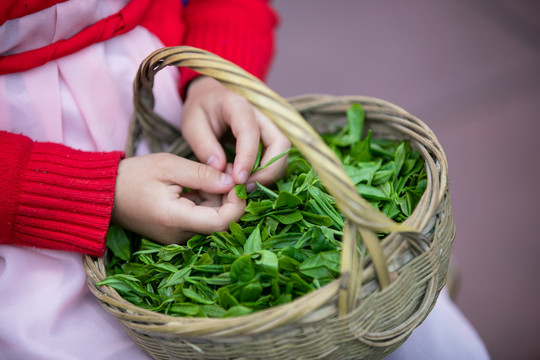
286 245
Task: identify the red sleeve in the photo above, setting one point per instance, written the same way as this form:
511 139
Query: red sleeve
13 9
241 31
55 197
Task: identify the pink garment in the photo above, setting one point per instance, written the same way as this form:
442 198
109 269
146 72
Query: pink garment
84 101
444 335
47 311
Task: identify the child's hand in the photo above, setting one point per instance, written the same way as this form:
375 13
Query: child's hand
149 198
210 110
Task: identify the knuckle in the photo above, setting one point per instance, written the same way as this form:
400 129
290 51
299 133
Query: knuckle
165 220
284 143
204 173
161 159
233 103
222 225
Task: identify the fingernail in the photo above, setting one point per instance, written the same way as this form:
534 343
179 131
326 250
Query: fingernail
226 179
212 160
243 176
251 186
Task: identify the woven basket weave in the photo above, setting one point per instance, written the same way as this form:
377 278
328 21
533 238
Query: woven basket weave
377 301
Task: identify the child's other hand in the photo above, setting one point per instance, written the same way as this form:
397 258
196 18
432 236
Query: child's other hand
210 110
150 200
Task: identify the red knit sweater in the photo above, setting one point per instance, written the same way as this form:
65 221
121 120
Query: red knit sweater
55 197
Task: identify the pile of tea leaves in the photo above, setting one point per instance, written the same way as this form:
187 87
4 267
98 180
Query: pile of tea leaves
286 245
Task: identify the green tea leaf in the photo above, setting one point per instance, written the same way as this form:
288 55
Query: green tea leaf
204 259
238 310
287 200
197 241
267 191
210 268
167 252
399 158
177 278
213 311
287 263
195 296
225 299
295 253
371 192
282 240
268 261
237 232
289 217
258 158
219 280
361 174
322 206
321 265
242 270
316 219
297 166
283 299
259 207
118 242
361 150
240 191
273 160
352 133
300 284
355 116
382 176
184 309
251 292
253 242
164 267
319 242
391 209
119 282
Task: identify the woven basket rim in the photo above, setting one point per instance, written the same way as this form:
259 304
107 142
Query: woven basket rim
333 287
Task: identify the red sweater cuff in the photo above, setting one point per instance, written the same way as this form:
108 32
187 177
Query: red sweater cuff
65 199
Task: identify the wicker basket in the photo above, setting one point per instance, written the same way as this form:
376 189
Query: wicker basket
377 301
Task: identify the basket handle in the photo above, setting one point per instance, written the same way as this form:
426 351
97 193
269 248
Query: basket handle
362 218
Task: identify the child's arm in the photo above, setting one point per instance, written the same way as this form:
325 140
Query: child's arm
52 196
55 197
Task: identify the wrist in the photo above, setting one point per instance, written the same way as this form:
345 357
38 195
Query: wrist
197 83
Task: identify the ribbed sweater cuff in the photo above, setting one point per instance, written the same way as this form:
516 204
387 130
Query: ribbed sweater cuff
66 199
241 34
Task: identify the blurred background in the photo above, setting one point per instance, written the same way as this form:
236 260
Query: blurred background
471 71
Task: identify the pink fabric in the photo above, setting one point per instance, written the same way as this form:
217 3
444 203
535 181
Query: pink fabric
84 101
47 311
445 335
54 23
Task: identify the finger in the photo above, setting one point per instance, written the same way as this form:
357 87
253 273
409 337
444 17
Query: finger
201 137
229 168
205 220
193 196
210 200
240 115
274 143
197 176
